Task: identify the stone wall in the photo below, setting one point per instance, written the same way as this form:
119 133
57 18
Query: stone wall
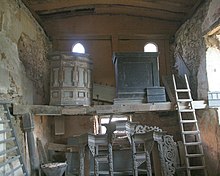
191 46
24 71
23 51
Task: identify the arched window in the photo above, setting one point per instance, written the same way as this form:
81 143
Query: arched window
78 48
150 47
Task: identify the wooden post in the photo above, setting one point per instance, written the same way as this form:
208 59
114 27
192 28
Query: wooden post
156 161
28 126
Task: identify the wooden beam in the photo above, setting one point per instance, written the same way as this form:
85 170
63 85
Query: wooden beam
142 12
90 110
57 4
132 108
144 37
99 109
112 37
37 109
115 10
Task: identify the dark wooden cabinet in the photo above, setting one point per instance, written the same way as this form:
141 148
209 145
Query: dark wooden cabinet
135 72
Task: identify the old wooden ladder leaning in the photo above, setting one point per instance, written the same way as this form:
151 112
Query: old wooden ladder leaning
11 160
195 161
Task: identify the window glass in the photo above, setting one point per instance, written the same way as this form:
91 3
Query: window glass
150 47
78 48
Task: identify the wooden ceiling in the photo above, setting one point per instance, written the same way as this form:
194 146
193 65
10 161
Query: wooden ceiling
170 10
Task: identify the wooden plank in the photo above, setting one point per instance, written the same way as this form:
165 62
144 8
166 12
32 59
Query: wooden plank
99 109
77 110
168 84
113 37
143 36
57 5
141 12
36 109
130 108
62 147
41 151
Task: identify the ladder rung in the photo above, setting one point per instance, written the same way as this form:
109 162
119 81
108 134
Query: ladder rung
8 151
10 161
188 121
102 158
190 132
4 121
194 155
183 90
140 156
13 170
192 143
196 167
4 102
186 110
5 131
184 100
7 140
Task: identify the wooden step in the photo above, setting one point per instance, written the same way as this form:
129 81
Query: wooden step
190 132
13 170
4 121
192 143
183 90
186 110
102 158
188 121
8 151
196 167
7 140
184 100
194 155
9 161
5 131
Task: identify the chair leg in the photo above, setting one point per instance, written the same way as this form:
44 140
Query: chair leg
148 163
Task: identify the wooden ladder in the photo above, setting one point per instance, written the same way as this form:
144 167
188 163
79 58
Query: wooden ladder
194 155
11 160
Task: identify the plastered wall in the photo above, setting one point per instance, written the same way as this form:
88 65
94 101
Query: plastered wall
23 64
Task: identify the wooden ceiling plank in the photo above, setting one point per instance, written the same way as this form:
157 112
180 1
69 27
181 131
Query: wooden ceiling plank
142 13
57 4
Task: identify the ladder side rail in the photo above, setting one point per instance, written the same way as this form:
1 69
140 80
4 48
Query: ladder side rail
21 159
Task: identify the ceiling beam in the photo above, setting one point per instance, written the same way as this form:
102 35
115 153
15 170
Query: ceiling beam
159 4
115 10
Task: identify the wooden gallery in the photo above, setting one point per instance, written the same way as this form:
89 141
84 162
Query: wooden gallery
109 88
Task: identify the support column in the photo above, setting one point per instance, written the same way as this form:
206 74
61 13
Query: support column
28 126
